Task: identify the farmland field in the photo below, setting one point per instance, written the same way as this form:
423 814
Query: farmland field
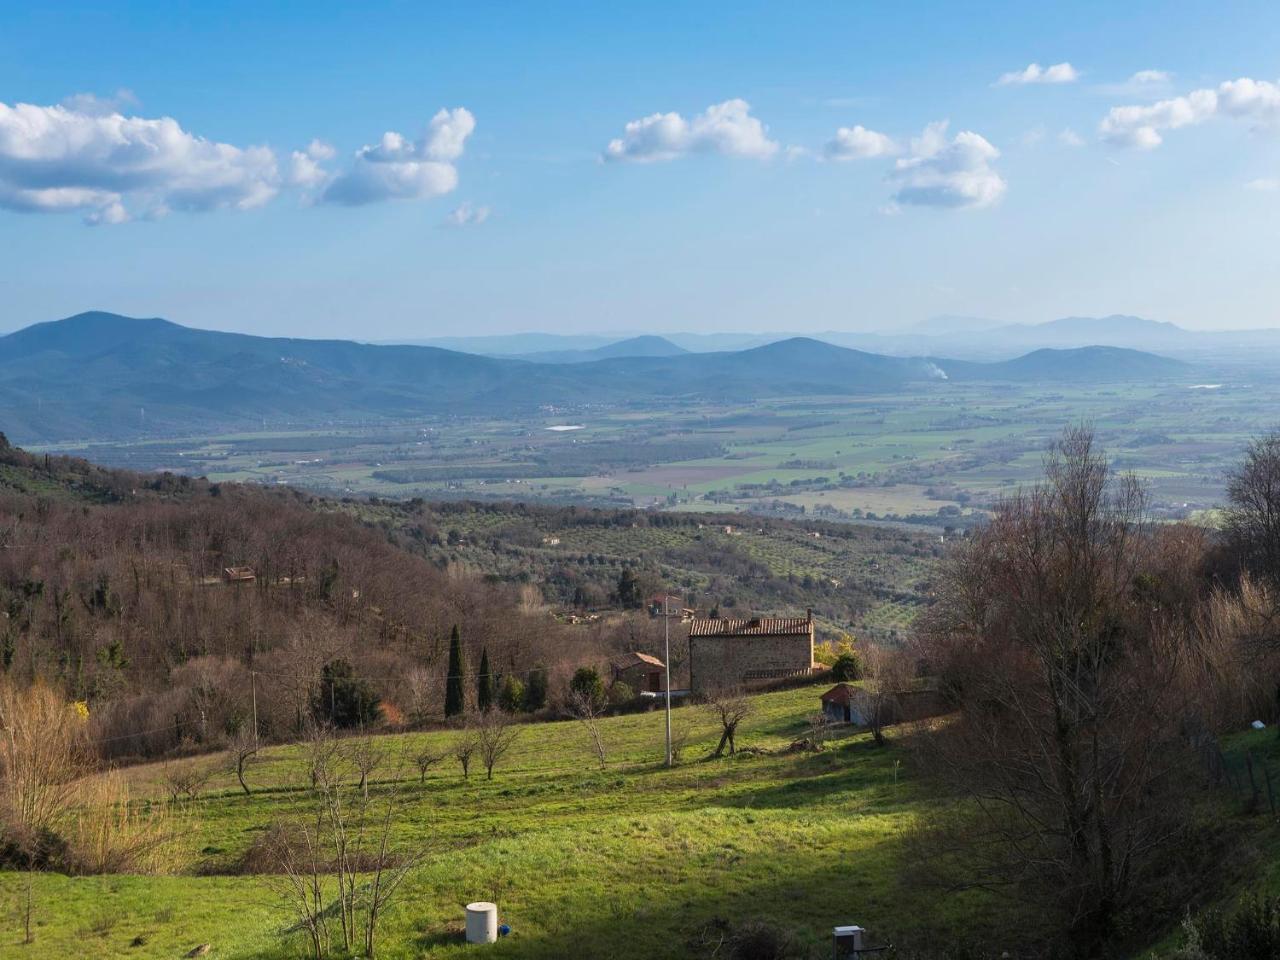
900 458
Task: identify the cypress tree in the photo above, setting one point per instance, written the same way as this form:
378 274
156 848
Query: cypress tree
484 683
455 700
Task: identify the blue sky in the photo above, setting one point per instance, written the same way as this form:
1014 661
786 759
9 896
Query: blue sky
509 211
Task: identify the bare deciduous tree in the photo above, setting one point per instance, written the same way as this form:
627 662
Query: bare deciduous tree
299 875
884 677
424 760
587 710
242 749
185 781
465 745
366 755
496 731
730 706
1253 512
1051 634
348 838
387 872
320 752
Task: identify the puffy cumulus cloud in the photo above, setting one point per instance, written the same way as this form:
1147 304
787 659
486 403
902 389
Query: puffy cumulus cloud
1069 138
1142 127
86 157
305 168
858 143
1034 73
396 168
949 173
467 214
725 128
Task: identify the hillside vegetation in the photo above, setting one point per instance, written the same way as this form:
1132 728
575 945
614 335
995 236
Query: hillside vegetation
114 586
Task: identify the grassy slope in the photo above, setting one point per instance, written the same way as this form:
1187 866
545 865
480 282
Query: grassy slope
631 862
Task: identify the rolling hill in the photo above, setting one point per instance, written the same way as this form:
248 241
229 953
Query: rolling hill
1078 364
99 375
643 346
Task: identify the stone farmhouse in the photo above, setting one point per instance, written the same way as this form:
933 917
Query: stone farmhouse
727 651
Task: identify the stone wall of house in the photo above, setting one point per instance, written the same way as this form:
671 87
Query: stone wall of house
640 677
717 661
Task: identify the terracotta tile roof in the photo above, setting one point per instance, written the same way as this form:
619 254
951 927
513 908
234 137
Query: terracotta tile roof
841 693
753 627
634 659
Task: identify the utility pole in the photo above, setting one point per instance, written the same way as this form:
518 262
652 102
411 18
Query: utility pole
253 683
666 663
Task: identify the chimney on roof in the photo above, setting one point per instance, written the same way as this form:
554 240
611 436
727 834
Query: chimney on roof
808 614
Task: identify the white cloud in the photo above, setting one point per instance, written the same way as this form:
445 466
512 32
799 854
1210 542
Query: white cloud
1143 85
109 168
1034 73
954 173
859 143
96 106
1069 138
1264 185
305 168
466 214
1034 136
725 128
398 169
1142 127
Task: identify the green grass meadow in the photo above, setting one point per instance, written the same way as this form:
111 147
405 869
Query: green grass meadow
632 861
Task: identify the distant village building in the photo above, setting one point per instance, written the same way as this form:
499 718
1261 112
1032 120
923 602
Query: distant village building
639 671
669 605
725 651
238 574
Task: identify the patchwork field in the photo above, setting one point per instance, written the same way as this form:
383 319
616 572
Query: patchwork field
900 457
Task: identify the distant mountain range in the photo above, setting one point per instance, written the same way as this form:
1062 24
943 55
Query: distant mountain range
962 337
644 346
972 338
99 375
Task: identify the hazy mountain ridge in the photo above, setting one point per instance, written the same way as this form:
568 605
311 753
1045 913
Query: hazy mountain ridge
101 375
646 345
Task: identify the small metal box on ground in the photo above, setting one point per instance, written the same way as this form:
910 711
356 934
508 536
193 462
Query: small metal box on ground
847 942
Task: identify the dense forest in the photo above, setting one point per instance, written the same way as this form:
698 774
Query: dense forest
117 587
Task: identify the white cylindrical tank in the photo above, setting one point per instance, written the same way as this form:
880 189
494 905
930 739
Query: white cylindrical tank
482 922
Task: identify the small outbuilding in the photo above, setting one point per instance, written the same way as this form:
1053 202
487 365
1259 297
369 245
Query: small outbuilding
238 574
840 706
639 671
